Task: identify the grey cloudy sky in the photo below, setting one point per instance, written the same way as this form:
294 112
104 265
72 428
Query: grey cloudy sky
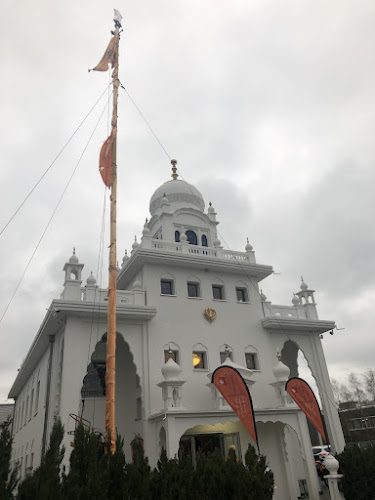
268 106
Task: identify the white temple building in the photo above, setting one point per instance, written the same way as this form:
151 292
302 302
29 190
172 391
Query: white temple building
185 305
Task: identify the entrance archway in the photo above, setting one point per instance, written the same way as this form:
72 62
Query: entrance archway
128 391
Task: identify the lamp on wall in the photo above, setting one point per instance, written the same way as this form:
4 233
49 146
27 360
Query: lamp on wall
196 359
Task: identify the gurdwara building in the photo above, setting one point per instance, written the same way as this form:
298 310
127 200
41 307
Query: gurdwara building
185 305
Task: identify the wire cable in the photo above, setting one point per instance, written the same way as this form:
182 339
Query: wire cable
53 161
53 214
146 122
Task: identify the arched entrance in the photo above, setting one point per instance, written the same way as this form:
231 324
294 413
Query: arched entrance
128 392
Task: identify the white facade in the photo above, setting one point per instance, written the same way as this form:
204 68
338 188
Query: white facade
157 318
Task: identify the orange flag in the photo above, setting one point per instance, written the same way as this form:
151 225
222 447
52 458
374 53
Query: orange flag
105 159
301 392
234 390
109 56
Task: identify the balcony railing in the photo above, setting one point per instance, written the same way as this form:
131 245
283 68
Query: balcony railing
186 248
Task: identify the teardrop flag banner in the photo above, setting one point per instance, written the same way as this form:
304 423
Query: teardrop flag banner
234 390
301 392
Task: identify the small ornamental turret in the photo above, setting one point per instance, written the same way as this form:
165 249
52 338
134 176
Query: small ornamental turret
250 252
295 300
281 373
72 283
164 201
91 281
135 245
171 385
307 300
248 247
125 259
91 292
146 236
211 212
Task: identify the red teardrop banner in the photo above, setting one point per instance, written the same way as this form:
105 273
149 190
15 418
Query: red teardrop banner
301 392
234 390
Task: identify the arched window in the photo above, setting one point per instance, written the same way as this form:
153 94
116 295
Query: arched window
177 236
192 237
251 358
204 240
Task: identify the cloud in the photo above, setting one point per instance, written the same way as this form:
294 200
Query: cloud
267 107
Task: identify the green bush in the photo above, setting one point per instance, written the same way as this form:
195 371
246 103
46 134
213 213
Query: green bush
96 474
8 479
358 467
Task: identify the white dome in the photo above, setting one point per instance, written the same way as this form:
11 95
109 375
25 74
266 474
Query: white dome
178 192
281 372
91 281
295 300
73 259
171 370
304 286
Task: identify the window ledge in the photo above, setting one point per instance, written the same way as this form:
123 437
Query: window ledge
199 298
201 369
242 302
219 300
167 295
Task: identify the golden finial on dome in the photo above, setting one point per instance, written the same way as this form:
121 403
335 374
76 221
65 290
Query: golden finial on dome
174 169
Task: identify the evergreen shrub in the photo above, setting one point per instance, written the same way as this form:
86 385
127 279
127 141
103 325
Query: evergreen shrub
96 474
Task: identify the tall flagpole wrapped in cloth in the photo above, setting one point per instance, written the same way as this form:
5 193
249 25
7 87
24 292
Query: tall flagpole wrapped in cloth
108 171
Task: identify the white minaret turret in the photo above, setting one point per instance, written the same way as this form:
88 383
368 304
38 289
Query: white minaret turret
281 373
72 283
307 300
171 385
91 289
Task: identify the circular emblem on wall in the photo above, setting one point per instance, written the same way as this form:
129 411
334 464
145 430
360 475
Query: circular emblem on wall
209 314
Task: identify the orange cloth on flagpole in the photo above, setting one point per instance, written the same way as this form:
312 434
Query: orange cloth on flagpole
109 56
106 158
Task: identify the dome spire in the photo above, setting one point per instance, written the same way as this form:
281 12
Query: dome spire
174 169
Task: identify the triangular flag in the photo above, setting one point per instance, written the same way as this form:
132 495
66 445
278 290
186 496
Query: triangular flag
109 56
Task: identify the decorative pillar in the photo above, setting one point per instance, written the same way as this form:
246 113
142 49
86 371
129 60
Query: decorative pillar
171 385
72 283
332 465
91 293
281 373
146 236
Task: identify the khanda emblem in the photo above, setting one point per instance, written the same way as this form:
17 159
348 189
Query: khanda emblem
209 314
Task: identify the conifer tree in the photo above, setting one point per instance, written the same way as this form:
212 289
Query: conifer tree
262 482
83 481
112 466
209 476
8 479
138 474
172 478
44 483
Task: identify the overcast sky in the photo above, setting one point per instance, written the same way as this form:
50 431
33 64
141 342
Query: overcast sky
268 106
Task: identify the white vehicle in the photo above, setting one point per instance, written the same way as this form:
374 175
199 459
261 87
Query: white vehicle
320 452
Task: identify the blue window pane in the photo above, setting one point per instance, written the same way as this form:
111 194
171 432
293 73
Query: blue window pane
177 236
192 237
204 240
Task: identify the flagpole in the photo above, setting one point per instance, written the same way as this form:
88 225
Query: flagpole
110 422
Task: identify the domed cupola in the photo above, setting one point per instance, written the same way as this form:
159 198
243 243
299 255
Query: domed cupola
179 193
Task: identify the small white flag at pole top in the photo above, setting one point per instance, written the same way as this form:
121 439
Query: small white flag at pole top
117 16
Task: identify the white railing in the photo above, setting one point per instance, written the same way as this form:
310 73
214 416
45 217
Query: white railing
287 312
229 254
163 245
202 251
197 250
100 295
